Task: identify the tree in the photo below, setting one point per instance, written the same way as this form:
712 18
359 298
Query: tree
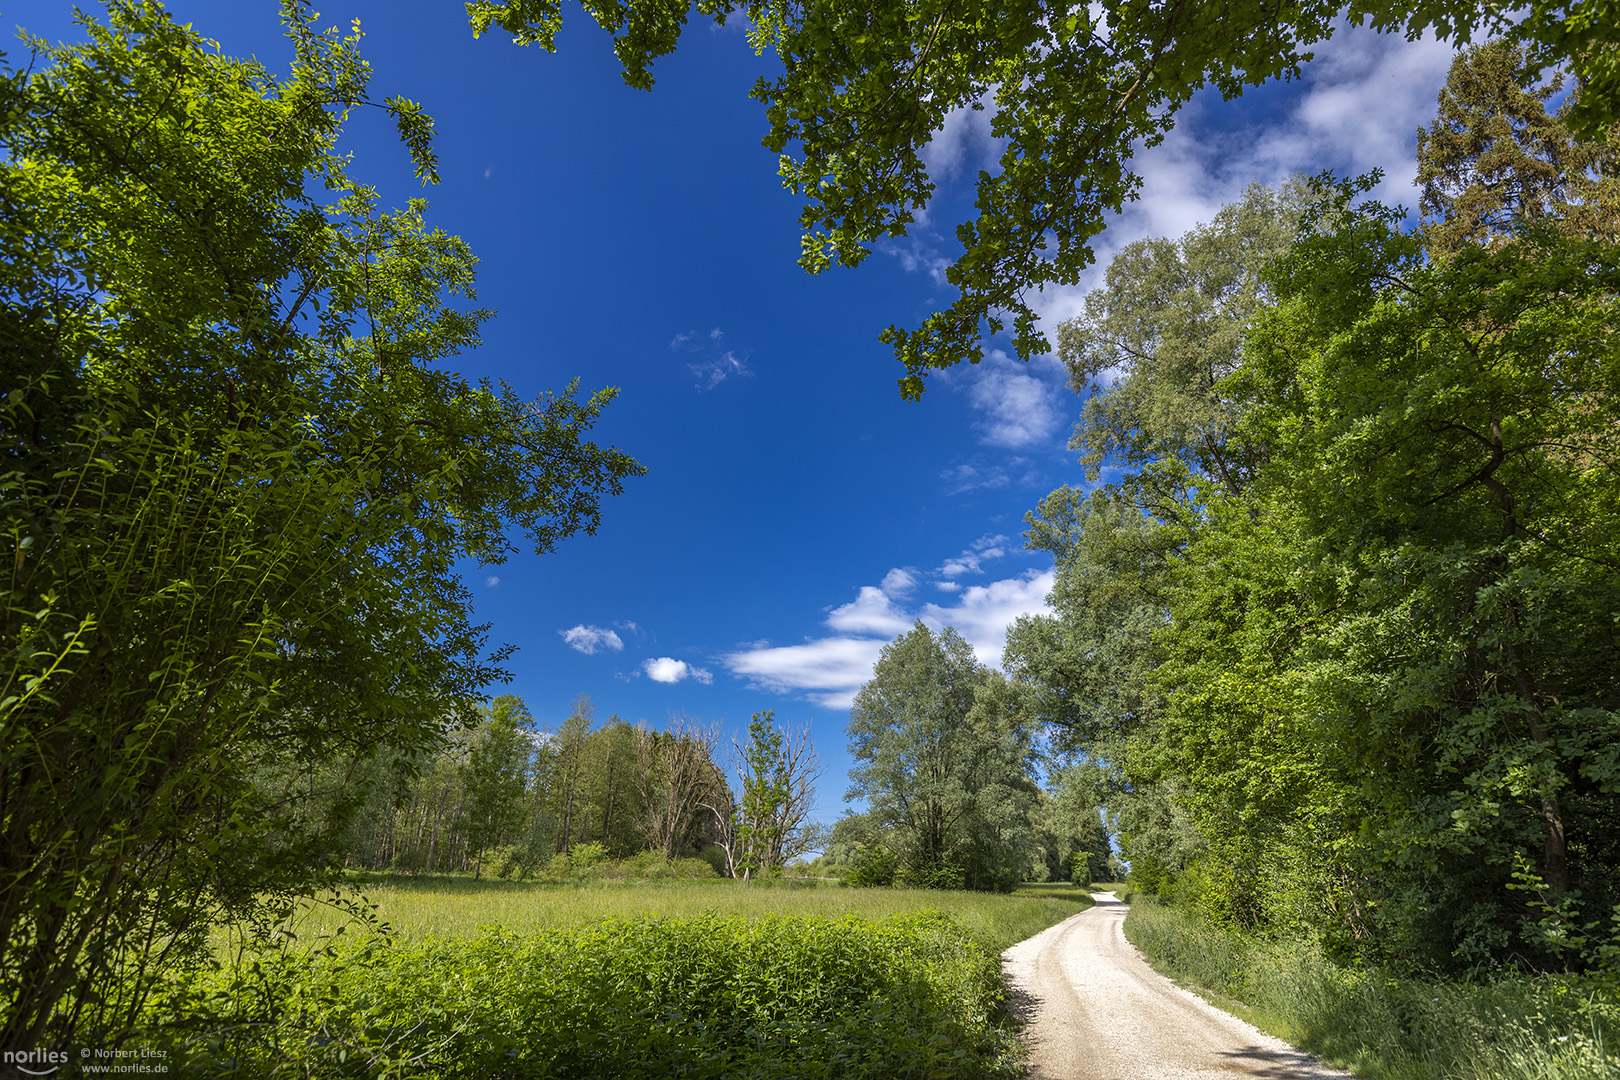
568 770
1495 162
676 776
1170 323
768 825
1073 88
495 776
1385 677
236 484
942 761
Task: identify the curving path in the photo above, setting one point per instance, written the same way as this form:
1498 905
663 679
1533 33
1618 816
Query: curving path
1095 1010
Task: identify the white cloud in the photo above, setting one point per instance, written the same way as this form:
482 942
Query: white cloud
667 669
964 141
1364 97
1021 404
491 581
982 613
872 612
715 363
972 560
828 671
1358 108
591 639
899 581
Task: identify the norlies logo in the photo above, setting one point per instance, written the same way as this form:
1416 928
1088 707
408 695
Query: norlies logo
43 1062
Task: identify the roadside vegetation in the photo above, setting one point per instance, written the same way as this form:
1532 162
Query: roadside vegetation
1387 1026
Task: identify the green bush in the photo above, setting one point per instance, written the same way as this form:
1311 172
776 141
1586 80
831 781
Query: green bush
919 873
911 996
871 867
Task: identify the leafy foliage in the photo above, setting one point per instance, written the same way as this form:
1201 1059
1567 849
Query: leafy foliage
235 484
911 996
1342 639
1073 89
944 764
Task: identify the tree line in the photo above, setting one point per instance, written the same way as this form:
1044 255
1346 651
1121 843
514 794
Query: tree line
1344 634
947 763
505 796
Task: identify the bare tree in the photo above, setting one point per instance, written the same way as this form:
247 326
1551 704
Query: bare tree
676 776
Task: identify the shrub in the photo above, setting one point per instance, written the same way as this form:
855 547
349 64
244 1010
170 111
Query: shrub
911 996
872 867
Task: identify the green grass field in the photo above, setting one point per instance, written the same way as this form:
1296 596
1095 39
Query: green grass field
446 906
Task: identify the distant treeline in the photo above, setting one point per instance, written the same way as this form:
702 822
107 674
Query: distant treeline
506 797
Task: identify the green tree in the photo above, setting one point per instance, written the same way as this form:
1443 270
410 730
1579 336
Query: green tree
495 776
943 761
768 825
236 485
1074 89
1388 665
1495 162
1152 352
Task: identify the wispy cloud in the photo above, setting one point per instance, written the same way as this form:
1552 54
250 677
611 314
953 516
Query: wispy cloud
972 560
1360 104
828 671
666 669
1364 97
964 143
591 639
1020 405
713 363
872 612
982 613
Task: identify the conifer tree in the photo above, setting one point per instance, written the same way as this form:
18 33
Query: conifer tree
1496 162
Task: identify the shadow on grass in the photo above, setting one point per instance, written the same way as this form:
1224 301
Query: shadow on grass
1055 890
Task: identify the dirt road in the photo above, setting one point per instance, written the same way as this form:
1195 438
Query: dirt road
1097 1011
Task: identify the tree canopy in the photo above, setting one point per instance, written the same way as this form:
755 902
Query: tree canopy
943 763
1073 89
1363 689
236 482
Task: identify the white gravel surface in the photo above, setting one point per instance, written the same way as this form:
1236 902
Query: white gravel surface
1095 1010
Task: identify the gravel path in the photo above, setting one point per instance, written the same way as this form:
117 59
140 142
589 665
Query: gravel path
1095 1010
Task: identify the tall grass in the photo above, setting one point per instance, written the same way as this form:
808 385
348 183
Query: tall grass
1387 1028
445 906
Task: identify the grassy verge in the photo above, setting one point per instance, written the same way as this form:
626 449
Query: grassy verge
597 979
1384 1028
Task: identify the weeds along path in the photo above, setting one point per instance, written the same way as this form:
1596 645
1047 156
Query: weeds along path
1094 1010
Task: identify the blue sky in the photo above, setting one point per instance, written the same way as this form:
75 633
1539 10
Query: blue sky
797 514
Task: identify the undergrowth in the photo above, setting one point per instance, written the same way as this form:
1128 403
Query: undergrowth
915 995
1388 1028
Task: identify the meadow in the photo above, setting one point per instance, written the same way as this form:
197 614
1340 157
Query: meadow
437 906
450 977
